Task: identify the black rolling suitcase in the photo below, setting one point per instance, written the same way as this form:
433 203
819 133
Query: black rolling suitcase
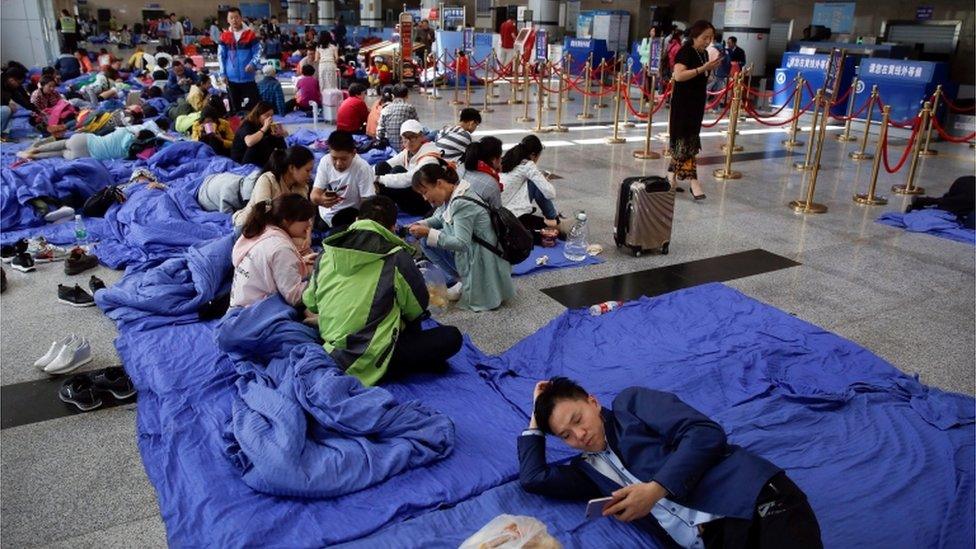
645 211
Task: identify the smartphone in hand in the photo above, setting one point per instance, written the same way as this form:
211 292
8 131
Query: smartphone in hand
594 507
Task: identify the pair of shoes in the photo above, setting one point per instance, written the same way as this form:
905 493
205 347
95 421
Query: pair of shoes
23 262
65 356
76 297
86 391
44 252
78 262
63 212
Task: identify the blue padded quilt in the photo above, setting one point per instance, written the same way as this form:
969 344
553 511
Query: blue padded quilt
885 460
931 221
207 434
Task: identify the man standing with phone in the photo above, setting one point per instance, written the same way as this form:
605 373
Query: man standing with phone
667 467
239 55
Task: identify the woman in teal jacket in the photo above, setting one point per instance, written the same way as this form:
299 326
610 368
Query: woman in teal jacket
486 278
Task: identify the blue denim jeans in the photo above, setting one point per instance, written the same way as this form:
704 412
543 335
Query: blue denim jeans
545 205
5 116
443 259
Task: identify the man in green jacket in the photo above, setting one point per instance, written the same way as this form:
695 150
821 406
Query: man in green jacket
370 298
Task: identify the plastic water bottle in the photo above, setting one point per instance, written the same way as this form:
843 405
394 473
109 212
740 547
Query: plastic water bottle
577 242
81 233
605 307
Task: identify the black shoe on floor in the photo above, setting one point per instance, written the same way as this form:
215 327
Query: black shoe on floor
23 262
80 391
74 296
114 381
78 262
95 284
9 251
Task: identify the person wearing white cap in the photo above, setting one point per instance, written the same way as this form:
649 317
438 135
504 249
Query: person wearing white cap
394 177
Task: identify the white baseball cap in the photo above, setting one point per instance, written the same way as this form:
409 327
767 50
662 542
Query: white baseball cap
411 126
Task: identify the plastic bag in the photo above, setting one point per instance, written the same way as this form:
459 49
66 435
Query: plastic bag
436 286
512 532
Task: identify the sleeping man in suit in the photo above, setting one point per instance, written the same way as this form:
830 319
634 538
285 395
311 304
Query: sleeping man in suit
669 469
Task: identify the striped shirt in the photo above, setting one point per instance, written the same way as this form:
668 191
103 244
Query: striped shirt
452 143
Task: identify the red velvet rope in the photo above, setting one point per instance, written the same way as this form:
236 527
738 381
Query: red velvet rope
905 154
853 115
949 138
953 107
720 117
795 116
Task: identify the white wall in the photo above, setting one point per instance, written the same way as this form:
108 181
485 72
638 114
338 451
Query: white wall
27 32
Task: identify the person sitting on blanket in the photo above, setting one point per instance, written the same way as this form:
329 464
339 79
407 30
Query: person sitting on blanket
47 98
394 177
394 114
258 136
524 185
485 278
453 141
270 91
353 112
482 159
368 268
373 120
214 129
959 200
114 146
288 171
265 258
179 81
668 468
197 96
107 85
13 94
343 180
306 92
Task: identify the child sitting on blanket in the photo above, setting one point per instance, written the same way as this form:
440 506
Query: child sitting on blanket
265 258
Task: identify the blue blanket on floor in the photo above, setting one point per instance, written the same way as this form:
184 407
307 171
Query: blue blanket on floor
931 221
300 427
555 259
294 117
316 141
885 460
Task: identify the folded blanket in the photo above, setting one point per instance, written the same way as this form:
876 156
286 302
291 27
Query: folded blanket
931 221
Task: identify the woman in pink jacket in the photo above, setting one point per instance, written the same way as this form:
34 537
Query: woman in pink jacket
266 259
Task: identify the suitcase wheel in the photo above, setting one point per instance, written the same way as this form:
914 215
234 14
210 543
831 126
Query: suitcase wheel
638 253
664 248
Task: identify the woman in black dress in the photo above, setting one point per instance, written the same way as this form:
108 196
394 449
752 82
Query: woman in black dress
691 70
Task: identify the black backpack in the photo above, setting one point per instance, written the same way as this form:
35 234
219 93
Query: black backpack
514 240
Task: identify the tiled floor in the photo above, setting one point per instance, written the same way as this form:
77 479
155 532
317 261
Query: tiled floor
909 298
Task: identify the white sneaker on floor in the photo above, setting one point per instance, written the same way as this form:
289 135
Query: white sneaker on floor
53 352
59 214
70 358
454 292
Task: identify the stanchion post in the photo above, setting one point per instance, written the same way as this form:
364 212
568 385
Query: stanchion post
797 98
627 123
547 73
457 81
540 97
513 98
566 69
615 138
488 82
525 95
494 67
433 95
646 153
643 95
807 205
726 172
467 84
807 163
846 136
926 151
861 153
909 186
585 115
870 199
601 104
738 91
558 127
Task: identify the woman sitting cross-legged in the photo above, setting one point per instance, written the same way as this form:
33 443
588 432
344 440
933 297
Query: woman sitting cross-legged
265 257
486 278
288 171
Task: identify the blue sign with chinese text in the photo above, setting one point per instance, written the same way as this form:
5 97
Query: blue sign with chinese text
541 45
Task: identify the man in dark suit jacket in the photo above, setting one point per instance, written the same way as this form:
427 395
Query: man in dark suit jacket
736 54
668 468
